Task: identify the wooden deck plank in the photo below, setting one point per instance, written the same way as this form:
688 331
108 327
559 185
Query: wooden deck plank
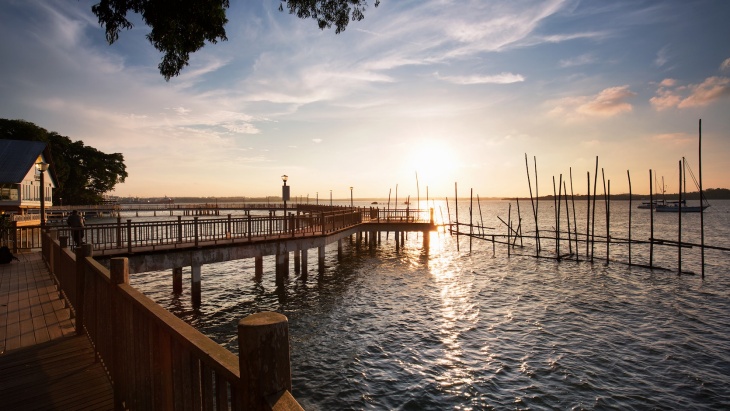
43 364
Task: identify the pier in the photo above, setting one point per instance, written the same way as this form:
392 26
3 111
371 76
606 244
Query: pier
148 357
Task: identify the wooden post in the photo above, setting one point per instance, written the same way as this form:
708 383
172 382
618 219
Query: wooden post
304 262
119 231
195 223
129 236
651 220
83 251
118 274
320 258
258 267
263 355
628 175
679 222
297 261
195 287
177 286
702 209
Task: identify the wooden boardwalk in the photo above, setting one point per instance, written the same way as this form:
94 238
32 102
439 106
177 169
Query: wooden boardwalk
43 364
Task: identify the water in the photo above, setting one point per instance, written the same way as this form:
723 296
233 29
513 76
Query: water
448 329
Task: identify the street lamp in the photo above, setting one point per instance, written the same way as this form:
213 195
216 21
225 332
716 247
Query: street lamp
284 195
330 198
351 197
42 167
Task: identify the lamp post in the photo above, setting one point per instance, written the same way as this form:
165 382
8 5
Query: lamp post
284 195
350 196
42 167
317 194
330 198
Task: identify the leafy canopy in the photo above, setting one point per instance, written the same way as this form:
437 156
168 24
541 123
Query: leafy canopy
181 27
84 173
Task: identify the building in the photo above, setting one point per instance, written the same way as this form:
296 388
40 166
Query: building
20 177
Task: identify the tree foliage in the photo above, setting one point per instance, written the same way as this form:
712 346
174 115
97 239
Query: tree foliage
84 174
181 27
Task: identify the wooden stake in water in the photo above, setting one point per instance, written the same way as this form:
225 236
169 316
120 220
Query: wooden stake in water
593 212
556 209
702 209
567 218
456 206
679 228
471 220
628 175
588 217
534 208
575 222
651 220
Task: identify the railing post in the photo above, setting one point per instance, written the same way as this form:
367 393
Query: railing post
119 232
195 223
250 231
179 229
118 274
129 236
14 236
263 355
83 251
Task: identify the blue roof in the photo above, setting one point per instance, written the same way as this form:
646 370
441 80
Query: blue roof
17 157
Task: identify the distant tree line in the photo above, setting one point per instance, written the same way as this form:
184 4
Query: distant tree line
84 174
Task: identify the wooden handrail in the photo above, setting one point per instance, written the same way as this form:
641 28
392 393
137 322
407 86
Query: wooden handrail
156 360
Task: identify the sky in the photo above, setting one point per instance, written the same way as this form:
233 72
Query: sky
420 95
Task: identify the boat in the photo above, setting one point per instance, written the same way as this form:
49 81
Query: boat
374 202
648 205
681 206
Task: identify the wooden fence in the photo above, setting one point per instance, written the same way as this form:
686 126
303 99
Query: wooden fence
157 361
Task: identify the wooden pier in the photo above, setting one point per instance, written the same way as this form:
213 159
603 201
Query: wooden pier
126 352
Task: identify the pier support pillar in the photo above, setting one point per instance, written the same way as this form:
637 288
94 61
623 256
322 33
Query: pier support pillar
304 263
195 285
320 258
403 238
426 241
397 240
297 260
358 240
177 285
258 267
339 250
282 267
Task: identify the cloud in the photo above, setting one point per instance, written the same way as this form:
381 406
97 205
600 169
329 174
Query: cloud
725 66
502 78
662 57
607 103
317 140
669 95
578 61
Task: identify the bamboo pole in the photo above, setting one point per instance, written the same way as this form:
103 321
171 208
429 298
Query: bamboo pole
534 210
556 213
567 218
519 217
588 217
456 206
471 221
651 220
575 222
509 228
679 218
537 207
702 208
481 217
628 175
593 212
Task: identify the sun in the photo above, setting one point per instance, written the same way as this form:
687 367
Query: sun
434 162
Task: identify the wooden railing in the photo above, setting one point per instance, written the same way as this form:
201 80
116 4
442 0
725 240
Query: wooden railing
309 220
157 361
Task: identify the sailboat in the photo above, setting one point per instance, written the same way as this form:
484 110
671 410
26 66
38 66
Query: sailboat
681 204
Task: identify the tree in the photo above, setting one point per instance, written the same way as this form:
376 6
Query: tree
181 27
84 173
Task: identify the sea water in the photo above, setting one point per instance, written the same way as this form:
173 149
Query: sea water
452 328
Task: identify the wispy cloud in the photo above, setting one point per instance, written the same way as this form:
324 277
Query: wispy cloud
581 60
662 57
670 95
725 66
607 103
502 78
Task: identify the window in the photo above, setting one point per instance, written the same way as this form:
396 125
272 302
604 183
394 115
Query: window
8 192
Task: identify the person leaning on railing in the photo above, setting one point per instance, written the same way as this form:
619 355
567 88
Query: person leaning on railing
76 222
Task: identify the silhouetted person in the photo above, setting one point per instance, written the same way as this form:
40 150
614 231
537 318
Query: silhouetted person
76 222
